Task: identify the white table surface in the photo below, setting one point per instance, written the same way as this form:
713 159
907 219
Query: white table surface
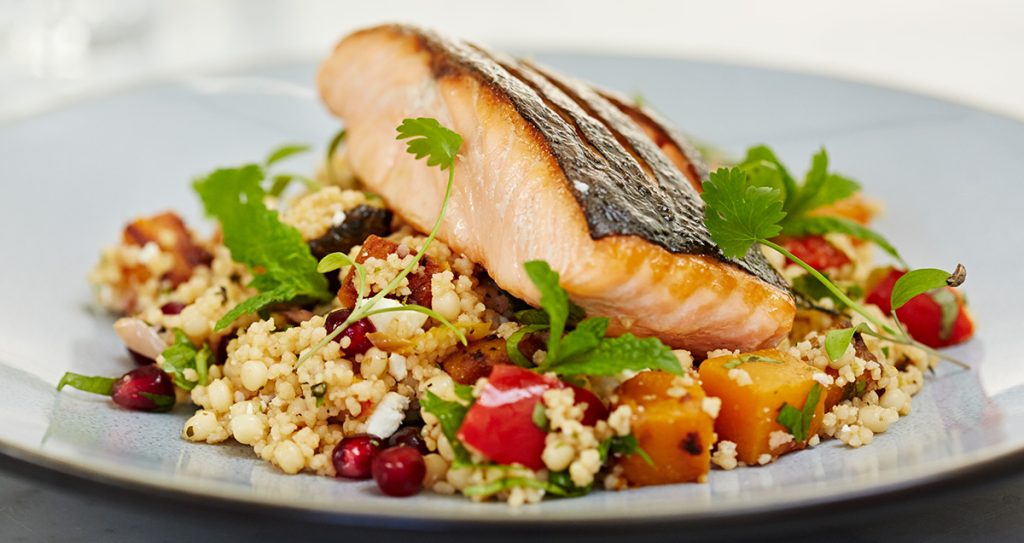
966 51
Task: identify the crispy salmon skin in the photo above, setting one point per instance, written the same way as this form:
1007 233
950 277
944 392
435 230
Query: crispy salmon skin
551 169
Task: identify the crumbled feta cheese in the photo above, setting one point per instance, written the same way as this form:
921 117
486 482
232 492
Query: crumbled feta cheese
725 455
403 321
338 218
397 366
778 438
740 376
765 459
388 415
712 406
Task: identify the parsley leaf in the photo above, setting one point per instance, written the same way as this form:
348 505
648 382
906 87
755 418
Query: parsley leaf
428 138
553 299
739 214
916 282
93 384
761 156
183 355
284 268
798 421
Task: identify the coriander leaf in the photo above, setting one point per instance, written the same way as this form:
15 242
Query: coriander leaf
614 355
183 355
837 341
762 153
798 421
916 282
553 299
285 151
802 226
283 265
93 384
587 335
428 138
738 214
450 415
513 341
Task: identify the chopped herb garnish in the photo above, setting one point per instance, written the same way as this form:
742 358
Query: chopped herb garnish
540 417
161 402
744 358
284 269
837 341
622 446
319 390
183 355
513 341
96 385
450 415
798 421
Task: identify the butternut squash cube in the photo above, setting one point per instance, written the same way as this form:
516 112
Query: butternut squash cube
753 388
671 424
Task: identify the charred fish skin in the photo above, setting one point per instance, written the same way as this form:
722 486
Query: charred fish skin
606 180
531 154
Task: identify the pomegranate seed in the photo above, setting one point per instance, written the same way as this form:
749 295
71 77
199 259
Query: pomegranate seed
172 308
399 471
410 435
146 388
140 359
353 456
356 332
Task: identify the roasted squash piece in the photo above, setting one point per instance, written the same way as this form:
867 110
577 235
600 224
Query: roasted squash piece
168 232
671 424
378 247
753 388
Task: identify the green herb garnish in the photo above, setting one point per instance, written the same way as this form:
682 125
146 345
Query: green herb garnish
427 138
450 415
745 358
183 355
837 341
622 446
739 214
283 267
86 383
540 417
798 421
584 350
319 390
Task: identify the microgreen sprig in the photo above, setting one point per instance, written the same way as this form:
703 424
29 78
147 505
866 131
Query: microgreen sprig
740 212
439 145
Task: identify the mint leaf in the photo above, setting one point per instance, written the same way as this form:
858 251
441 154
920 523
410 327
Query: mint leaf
96 385
837 341
613 355
820 187
916 282
183 355
284 268
513 341
739 214
450 415
553 299
818 225
428 138
587 335
798 421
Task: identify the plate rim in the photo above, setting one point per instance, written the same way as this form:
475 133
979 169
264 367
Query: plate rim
969 472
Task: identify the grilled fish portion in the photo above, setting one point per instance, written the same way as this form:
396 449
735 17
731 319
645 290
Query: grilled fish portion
551 169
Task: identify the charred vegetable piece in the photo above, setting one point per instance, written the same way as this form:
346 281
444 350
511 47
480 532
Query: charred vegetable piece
168 231
671 425
754 389
378 247
476 360
938 318
360 223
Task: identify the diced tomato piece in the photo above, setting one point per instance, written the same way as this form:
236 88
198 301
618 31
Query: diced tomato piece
817 252
500 425
923 314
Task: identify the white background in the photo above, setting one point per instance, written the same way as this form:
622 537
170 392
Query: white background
53 50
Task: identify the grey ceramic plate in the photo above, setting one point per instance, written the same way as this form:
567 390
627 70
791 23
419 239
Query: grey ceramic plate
950 176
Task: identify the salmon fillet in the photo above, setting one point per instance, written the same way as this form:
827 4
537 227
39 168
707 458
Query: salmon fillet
552 169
